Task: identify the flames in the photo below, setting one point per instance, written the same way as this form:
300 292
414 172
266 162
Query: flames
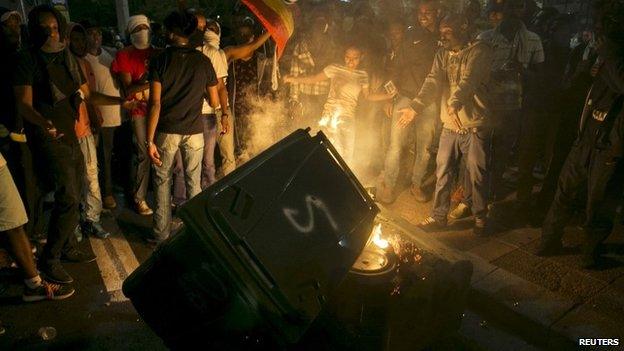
377 239
331 122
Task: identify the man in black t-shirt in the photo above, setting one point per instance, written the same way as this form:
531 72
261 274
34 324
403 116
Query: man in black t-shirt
49 87
180 78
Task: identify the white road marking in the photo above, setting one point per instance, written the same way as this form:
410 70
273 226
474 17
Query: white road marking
115 260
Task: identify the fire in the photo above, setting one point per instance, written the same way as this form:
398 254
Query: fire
331 122
377 239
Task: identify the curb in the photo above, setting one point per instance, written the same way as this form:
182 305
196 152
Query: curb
518 305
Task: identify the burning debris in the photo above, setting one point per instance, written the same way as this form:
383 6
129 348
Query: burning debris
331 123
399 295
377 239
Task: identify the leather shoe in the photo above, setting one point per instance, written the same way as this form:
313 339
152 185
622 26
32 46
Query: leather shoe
77 256
56 273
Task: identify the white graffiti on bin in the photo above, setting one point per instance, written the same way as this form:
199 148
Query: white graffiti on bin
308 226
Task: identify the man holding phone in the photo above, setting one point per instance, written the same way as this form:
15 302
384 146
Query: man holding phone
408 62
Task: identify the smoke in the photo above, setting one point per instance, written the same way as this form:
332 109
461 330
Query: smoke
269 121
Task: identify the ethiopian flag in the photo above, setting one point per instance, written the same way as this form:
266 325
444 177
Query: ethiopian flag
276 16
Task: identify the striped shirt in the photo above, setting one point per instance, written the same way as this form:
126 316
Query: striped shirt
345 88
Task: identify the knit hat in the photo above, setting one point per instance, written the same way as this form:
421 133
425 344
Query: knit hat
135 21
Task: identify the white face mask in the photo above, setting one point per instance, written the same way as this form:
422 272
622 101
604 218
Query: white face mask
140 39
211 38
52 47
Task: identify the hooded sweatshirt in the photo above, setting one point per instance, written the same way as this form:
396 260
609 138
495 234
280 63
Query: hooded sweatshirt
460 80
85 112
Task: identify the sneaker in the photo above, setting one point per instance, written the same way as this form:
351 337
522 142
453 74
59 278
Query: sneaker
78 233
109 202
143 208
95 228
549 248
461 211
418 194
47 291
56 273
480 227
77 256
430 224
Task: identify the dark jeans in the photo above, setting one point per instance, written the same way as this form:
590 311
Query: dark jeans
567 130
504 135
66 166
601 180
532 142
107 135
474 146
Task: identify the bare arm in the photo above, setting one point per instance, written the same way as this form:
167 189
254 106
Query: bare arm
223 101
152 122
99 99
241 51
130 88
213 95
319 77
154 110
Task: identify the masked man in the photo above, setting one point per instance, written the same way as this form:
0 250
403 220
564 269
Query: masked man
130 65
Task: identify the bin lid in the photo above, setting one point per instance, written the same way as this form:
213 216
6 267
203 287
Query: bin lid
295 215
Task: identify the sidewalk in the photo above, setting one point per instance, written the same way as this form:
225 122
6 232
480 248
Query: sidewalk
551 300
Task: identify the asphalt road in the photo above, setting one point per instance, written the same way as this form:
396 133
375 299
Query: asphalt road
98 316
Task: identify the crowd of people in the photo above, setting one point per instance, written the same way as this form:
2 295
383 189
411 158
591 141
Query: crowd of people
464 98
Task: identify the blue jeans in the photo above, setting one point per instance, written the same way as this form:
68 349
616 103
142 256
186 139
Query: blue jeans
474 146
91 197
208 172
423 130
210 140
192 150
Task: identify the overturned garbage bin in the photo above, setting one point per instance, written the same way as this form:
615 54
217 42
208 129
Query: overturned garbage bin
260 251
